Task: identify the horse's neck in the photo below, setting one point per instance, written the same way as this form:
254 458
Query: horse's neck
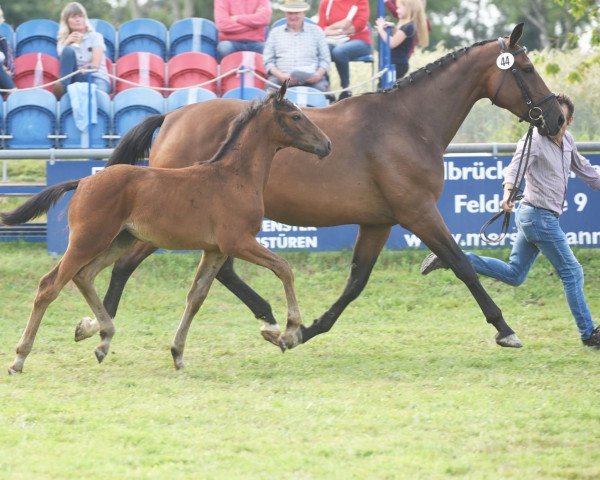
254 149
444 100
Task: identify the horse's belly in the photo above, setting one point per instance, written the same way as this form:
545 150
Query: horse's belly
173 238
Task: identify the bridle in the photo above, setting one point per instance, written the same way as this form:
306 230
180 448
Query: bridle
536 118
535 113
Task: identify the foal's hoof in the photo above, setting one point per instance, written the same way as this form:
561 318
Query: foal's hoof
12 371
100 355
509 341
290 340
271 333
86 328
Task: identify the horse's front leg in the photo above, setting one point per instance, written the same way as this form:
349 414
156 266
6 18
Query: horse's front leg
250 250
429 226
369 243
210 264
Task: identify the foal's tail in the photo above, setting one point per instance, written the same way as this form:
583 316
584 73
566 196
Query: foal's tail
38 204
135 145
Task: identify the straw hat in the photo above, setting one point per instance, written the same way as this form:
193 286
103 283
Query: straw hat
294 6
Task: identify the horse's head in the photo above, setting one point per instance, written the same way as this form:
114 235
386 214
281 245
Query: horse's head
515 85
296 130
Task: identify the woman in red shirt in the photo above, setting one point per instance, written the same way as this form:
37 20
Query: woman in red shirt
345 23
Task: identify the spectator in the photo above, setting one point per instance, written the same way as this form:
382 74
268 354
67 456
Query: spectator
411 28
297 51
242 25
80 47
538 230
345 23
7 67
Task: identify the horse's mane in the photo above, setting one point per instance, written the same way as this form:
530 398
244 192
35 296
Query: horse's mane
430 68
237 125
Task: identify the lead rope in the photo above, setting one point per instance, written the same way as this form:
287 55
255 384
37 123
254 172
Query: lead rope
516 193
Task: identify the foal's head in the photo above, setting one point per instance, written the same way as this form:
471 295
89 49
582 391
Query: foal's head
295 129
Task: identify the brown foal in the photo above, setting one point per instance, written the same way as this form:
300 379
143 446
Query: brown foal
215 206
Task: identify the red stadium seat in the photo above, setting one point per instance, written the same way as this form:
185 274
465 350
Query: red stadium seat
142 68
35 69
192 68
251 61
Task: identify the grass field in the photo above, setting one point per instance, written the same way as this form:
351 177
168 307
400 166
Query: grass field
409 383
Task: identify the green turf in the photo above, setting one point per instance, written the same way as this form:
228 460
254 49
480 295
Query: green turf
408 384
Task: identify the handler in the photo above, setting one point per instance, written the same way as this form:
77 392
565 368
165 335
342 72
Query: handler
538 229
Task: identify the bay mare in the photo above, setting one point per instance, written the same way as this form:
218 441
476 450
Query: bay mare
215 206
386 167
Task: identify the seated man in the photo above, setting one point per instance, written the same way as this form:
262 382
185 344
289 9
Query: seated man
241 25
297 50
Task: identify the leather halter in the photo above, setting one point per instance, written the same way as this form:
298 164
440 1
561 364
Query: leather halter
534 113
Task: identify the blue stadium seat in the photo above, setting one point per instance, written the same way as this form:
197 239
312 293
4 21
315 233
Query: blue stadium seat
131 106
307 97
73 136
7 32
31 119
110 36
1 122
143 35
193 35
246 93
37 36
187 96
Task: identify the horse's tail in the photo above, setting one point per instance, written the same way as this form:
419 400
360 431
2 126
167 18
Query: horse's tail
38 204
135 145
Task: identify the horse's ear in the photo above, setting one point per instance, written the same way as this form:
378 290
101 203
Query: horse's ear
515 36
282 90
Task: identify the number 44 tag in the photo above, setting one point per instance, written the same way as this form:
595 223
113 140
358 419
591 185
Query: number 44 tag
505 61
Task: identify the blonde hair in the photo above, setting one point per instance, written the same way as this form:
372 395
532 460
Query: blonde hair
416 13
1 15
73 8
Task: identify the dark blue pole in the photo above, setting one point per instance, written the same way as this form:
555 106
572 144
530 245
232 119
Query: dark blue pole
89 79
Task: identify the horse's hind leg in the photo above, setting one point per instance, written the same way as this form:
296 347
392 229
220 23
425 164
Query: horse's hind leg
85 282
122 270
369 243
50 286
430 227
252 251
207 271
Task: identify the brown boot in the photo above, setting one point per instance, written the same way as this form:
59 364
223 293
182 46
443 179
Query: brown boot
58 90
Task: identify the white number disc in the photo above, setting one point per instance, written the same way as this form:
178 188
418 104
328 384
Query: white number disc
505 61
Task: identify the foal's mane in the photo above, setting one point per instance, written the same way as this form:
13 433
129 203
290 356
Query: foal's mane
237 125
431 68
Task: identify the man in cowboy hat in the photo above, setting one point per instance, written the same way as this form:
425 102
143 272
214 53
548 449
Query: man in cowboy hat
297 51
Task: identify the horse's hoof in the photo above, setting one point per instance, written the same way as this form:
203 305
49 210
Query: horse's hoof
12 371
290 340
84 329
100 355
271 333
511 341
179 364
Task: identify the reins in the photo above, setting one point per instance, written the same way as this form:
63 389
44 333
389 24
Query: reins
535 114
516 193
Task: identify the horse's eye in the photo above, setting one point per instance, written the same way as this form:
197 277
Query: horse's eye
296 117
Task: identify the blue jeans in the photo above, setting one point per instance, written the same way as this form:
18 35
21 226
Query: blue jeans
343 53
68 64
538 231
227 47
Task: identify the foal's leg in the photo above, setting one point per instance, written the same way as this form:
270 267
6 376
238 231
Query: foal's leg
252 251
85 282
50 286
122 270
429 226
207 271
